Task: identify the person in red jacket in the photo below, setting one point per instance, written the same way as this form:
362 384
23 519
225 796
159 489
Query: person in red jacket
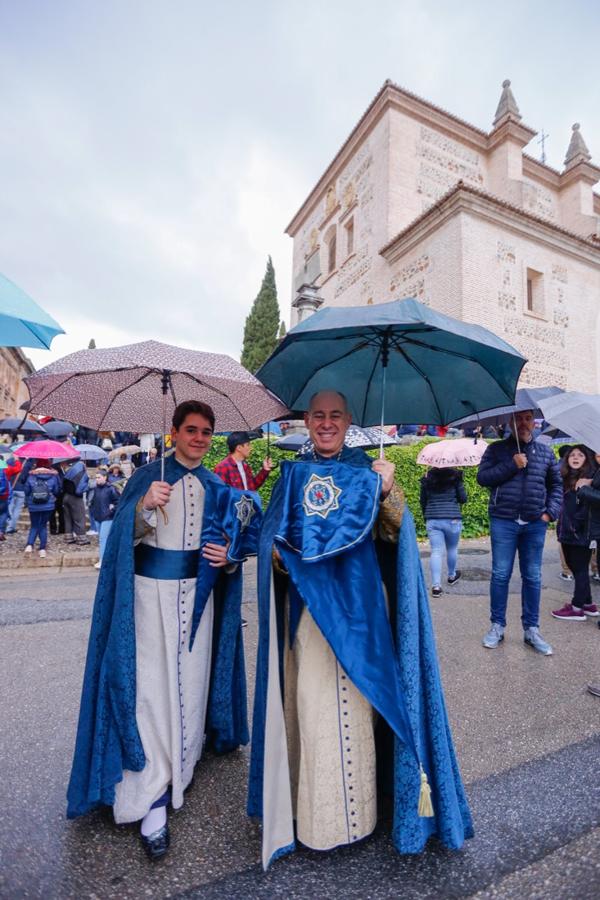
235 471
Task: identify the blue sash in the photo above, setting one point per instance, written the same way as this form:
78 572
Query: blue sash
166 565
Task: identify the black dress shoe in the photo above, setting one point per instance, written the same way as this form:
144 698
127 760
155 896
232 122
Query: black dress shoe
157 843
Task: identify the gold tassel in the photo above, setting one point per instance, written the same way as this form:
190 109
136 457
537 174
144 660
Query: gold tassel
164 514
425 804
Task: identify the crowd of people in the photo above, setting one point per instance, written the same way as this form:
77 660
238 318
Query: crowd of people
528 489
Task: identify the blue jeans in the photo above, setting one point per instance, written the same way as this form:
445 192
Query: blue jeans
39 527
17 501
508 538
103 536
443 533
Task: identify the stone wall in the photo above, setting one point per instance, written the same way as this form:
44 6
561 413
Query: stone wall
360 194
560 341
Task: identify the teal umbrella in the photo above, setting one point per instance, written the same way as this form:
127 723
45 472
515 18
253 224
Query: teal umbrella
22 322
394 362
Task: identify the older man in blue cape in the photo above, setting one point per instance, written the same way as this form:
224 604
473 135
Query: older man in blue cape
349 706
165 666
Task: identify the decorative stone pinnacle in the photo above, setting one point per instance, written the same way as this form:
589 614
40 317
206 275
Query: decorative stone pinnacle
507 105
577 151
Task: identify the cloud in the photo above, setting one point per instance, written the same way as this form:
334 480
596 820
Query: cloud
152 154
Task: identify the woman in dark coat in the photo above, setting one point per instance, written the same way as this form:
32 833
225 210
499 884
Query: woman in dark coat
576 470
442 495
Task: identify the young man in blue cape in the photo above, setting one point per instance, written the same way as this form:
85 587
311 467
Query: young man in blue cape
349 706
165 665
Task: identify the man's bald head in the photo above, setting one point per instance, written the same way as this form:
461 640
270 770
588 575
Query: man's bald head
328 421
325 395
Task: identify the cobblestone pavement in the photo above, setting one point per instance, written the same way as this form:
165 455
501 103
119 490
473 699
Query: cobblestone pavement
526 732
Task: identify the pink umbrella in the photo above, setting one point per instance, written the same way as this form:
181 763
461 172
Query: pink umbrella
46 450
452 452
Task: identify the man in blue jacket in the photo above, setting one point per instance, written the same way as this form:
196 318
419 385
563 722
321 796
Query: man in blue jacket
525 495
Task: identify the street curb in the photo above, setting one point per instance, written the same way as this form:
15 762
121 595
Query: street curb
9 565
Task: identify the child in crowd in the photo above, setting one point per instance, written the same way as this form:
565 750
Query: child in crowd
103 506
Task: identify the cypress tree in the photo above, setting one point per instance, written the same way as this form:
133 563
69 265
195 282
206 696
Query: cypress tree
282 331
92 344
262 323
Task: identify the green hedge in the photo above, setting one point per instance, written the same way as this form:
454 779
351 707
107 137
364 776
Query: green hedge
408 475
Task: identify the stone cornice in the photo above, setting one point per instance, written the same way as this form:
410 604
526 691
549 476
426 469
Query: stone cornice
582 171
540 171
463 198
393 96
510 129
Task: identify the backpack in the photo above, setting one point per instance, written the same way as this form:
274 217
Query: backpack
70 485
40 492
4 486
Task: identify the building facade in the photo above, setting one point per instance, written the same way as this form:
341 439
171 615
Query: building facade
14 367
418 203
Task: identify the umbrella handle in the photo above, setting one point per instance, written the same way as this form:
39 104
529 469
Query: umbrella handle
516 433
382 408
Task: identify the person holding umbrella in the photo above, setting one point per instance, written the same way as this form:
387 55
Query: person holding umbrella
442 495
165 664
525 495
333 648
41 490
75 485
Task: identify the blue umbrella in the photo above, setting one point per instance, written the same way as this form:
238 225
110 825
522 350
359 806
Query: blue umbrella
18 425
58 429
22 322
91 452
394 362
526 398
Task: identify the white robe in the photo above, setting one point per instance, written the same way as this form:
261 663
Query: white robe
331 744
172 682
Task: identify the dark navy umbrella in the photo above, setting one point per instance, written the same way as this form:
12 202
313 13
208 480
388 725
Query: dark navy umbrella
58 429
18 425
394 362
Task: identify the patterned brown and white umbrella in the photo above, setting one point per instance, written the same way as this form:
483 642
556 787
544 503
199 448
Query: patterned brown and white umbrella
136 388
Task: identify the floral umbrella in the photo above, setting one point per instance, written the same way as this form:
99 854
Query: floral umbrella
137 387
124 388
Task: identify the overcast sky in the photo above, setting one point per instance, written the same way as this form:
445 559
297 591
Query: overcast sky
153 151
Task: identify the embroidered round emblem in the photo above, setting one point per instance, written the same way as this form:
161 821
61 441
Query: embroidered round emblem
245 511
320 495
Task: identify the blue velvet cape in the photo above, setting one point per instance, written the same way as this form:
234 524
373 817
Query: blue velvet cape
416 658
108 740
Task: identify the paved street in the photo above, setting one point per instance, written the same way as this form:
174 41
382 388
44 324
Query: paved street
527 736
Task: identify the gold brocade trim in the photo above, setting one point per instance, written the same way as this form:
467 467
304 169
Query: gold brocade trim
390 515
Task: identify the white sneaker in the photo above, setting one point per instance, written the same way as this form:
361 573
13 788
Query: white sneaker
97 565
42 554
91 532
28 549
